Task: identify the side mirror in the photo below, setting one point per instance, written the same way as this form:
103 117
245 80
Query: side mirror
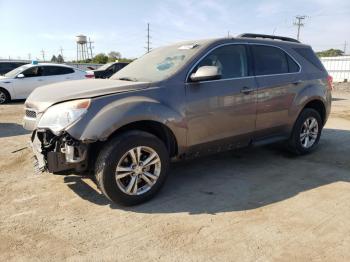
206 73
20 76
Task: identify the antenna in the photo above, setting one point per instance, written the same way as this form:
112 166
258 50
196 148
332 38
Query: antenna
299 23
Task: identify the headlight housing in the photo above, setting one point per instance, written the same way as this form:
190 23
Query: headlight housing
60 116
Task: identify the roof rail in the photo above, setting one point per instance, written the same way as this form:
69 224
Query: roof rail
282 38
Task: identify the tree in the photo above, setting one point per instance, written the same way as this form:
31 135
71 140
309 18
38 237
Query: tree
60 59
113 55
100 58
54 59
330 52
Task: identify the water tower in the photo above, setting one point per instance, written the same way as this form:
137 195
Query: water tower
82 47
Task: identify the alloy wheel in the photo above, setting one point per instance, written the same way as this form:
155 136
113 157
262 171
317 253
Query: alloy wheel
309 132
138 170
2 97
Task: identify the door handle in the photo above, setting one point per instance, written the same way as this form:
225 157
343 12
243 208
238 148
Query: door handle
40 80
247 90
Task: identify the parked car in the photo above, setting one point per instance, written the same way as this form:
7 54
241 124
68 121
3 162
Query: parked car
180 101
20 82
107 70
7 66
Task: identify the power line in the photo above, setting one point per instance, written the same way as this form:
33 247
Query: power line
299 23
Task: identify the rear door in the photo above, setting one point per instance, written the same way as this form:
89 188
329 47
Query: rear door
224 110
55 74
277 76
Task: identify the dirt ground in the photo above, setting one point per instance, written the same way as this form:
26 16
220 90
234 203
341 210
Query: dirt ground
258 204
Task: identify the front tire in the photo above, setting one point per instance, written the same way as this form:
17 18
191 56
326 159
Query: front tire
306 132
132 167
4 96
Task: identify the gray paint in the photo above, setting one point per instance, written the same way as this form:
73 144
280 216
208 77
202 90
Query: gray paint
196 113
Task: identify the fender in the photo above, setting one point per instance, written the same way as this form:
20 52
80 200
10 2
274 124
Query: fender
311 92
7 85
104 118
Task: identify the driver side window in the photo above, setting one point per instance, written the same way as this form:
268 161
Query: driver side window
230 59
33 72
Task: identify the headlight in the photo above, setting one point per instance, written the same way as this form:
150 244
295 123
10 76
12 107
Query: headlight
60 116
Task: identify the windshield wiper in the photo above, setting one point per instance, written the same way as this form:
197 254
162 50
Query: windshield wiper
132 79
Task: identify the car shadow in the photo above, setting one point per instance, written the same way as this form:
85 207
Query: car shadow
12 129
239 180
14 102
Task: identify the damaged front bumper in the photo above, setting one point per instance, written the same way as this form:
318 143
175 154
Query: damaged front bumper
58 153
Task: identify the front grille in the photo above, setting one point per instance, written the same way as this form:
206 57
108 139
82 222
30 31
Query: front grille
30 113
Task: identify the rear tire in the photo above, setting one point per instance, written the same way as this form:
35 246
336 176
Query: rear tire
306 132
4 96
132 167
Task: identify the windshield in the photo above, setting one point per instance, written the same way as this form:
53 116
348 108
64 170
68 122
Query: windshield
105 66
17 71
158 64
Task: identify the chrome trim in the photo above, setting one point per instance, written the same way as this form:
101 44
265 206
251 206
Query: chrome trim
243 77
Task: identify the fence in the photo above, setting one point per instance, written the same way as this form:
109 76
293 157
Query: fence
338 67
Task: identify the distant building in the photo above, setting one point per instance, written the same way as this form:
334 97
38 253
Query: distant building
338 67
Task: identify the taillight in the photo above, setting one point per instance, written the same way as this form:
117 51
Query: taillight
90 76
330 82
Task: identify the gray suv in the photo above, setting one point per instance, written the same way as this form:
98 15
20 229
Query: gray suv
179 102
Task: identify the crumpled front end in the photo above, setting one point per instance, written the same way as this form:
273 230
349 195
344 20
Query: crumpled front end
58 153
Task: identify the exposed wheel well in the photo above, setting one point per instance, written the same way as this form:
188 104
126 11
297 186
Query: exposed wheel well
157 129
319 107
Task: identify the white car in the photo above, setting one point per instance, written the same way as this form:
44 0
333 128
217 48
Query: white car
20 82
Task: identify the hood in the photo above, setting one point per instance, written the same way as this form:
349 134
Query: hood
43 97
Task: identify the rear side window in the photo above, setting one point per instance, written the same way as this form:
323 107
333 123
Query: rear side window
269 60
310 56
231 61
57 70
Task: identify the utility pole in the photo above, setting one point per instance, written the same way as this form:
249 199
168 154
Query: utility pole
345 44
299 23
29 56
228 34
43 54
90 47
148 48
61 51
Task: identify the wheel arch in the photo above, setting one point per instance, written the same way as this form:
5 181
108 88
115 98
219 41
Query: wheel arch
319 106
155 128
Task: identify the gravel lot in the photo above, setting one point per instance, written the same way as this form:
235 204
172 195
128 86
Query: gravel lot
255 204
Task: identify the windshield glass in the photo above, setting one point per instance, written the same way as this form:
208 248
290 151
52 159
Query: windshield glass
158 64
17 71
105 66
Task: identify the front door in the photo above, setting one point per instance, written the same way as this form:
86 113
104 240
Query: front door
222 112
32 79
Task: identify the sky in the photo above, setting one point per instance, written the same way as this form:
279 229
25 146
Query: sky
27 27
